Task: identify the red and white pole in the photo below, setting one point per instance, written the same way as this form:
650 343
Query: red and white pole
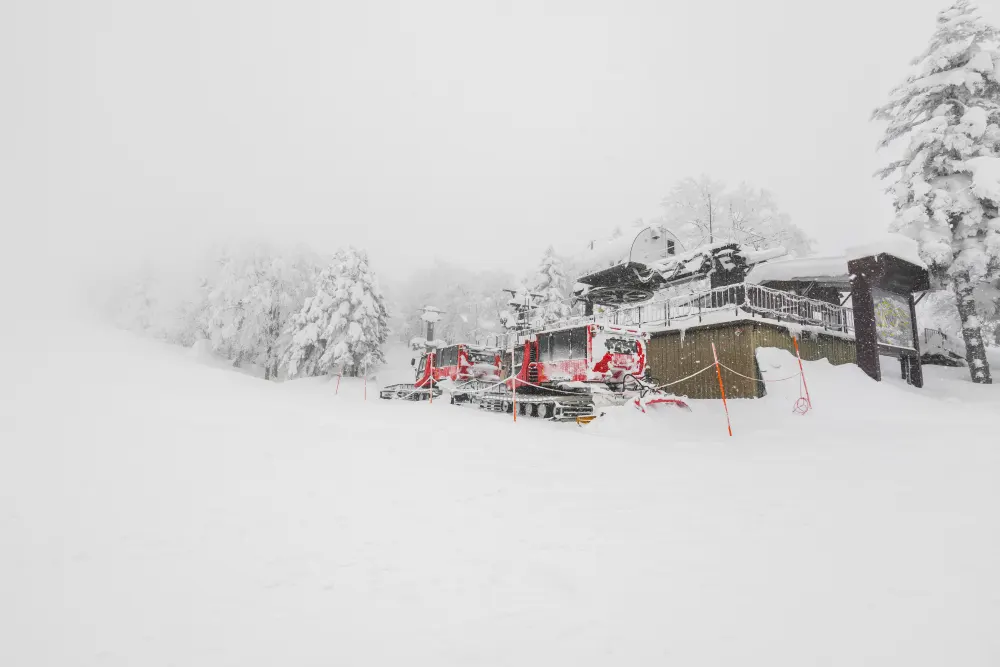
337 391
513 383
718 371
802 372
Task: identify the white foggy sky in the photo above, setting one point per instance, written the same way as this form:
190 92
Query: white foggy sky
476 132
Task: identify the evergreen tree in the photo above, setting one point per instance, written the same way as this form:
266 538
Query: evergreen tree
551 289
252 298
343 326
225 309
277 294
946 185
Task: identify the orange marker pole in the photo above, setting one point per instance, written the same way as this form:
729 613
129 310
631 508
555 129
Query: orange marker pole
513 384
725 405
802 373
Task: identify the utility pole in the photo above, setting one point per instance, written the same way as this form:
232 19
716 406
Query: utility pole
711 237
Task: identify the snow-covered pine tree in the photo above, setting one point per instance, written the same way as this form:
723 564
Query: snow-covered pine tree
225 308
343 326
550 285
946 185
254 294
277 294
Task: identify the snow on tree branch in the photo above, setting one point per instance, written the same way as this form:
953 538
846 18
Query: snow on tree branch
343 327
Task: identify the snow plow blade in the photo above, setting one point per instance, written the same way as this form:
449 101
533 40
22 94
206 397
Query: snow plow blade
654 403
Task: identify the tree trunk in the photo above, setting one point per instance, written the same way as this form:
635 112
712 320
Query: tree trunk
972 332
270 364
996 321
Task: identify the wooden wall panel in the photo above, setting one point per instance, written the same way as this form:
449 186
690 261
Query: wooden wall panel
672 356
836 349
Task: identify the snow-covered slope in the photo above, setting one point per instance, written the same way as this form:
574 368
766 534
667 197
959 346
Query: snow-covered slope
162 510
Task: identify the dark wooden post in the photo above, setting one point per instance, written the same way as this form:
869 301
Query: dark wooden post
865 333
915 376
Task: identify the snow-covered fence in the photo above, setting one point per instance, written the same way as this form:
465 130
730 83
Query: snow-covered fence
680 308
751 299
780 305
743 298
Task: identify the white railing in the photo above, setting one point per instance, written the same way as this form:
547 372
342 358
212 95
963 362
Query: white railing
680 308
750 299
780 305
753 300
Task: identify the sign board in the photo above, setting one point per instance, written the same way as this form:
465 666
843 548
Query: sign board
892 319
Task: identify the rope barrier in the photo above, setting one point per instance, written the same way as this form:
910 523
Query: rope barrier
459 390
790 377
669 384
520 382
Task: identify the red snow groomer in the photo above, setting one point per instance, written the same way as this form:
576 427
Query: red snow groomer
464 369
565 372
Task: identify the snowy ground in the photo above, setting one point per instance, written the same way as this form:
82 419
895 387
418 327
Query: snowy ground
160 509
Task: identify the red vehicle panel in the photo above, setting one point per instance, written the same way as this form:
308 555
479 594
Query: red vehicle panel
589 353
460 363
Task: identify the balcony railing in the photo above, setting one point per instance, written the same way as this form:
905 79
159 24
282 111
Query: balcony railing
741 299
750 299
780 305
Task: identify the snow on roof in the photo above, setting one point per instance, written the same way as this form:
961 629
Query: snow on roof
897 245
805 268
693 259
755 256
690 260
